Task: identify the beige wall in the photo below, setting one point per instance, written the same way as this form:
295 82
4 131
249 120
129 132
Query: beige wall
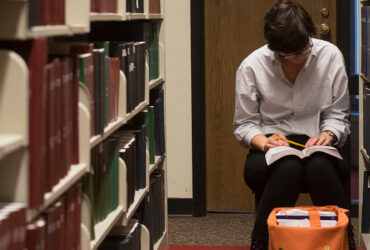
178 98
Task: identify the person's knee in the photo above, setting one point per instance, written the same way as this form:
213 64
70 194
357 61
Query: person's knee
287 174
320 164
289 168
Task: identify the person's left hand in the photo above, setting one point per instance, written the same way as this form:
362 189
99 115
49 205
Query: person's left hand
323 139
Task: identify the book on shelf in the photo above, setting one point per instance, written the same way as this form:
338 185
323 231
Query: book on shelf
123 237
157 100
365 218
154 203
86 67
35 235
366 118
154 7
276 153
12 225
105 70
114 82
104 6
33 13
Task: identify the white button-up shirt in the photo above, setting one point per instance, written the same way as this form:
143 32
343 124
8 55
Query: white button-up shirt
266 102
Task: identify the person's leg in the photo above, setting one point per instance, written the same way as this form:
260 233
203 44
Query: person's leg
323 181
284 180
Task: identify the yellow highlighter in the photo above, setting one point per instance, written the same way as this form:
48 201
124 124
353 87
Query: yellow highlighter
291 142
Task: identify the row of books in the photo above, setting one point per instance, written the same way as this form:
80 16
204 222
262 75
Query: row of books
132 57
132 150
46 12
101 185
101 76
132 6
151 212
136 31
365 40
123 237
53 12
53 119
58 227
153 118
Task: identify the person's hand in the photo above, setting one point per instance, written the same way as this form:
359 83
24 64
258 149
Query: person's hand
323 139
264 143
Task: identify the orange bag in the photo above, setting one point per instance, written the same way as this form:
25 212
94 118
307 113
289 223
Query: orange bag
309 238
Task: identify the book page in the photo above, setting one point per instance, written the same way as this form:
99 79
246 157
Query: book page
274 154
325 149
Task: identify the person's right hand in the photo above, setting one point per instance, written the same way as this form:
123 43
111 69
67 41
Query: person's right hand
264 143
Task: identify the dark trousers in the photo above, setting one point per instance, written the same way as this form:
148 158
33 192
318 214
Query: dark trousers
280 184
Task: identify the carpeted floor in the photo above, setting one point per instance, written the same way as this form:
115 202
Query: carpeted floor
215 229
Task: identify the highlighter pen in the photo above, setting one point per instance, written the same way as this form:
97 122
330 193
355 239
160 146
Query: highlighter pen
291 142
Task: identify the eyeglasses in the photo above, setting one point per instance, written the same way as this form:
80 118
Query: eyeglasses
294 55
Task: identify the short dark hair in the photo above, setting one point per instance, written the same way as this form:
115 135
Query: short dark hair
288 27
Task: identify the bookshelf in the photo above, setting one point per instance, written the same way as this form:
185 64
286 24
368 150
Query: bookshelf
14 16
364 163
15 111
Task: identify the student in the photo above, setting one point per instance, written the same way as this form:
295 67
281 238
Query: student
295 87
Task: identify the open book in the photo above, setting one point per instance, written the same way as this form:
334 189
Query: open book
274 154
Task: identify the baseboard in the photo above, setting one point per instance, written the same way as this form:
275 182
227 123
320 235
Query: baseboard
177 206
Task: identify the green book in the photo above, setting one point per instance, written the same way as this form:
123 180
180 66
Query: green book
105 45
149 122
156 52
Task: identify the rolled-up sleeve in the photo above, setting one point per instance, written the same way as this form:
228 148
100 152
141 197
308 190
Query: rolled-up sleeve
336 117
246 117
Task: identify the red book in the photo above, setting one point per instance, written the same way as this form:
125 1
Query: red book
52 218
5 236
16 213
51 175
36 60
74 109
67 74
78 200
93 5
35 235
70 218
45 12
113 6
114 77
58 119
61 223
61 11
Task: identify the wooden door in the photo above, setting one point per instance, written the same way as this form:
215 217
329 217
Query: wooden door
233 29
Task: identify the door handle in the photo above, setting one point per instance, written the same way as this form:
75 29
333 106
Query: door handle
324 29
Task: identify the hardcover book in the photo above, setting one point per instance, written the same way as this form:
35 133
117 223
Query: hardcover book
274 154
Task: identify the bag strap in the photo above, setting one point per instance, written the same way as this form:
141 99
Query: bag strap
314 218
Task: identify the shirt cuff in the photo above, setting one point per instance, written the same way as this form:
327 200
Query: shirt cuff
251 134
336 132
